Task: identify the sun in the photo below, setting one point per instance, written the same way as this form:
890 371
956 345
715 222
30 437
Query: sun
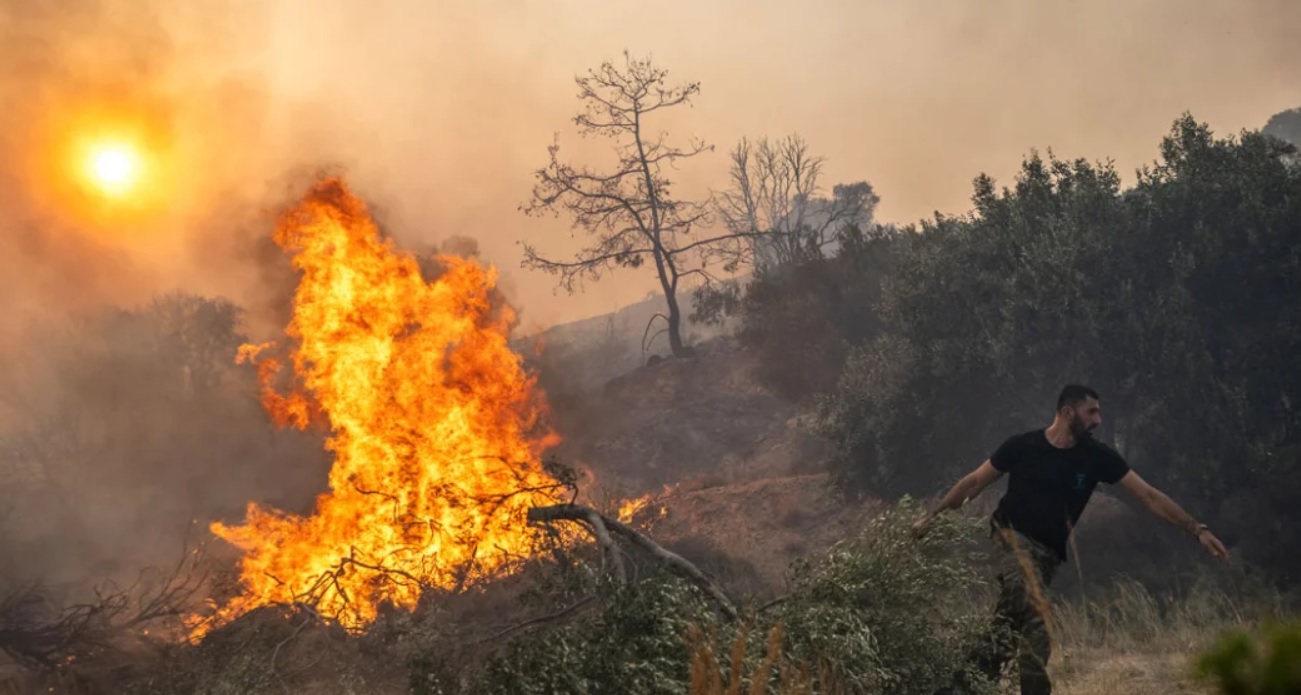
113 167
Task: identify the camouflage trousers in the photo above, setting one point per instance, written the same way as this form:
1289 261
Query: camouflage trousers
1020 626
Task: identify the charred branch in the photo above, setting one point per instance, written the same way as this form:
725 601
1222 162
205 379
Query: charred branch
581 514
610 552
40 634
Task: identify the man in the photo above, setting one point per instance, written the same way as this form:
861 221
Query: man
1051 475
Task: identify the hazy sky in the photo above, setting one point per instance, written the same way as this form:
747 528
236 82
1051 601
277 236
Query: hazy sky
454 103
441 110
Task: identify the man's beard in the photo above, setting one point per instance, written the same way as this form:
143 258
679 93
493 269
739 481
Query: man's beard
1081 431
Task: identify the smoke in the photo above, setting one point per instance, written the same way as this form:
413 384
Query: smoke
440 112
461 99
125 423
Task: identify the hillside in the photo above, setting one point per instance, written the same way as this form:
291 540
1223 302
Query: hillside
735 484
730 465
674 421
736 488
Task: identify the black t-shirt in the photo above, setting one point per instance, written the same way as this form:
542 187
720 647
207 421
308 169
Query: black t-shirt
1048 487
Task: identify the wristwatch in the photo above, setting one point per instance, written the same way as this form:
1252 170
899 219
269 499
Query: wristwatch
1197 532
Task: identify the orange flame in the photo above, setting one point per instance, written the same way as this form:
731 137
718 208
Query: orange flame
629 509
435 426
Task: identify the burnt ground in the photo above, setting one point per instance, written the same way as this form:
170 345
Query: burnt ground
735 471
679 420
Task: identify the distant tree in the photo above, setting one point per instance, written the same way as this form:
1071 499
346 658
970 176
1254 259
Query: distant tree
774 209
800 321
1286 126
780 224
630 212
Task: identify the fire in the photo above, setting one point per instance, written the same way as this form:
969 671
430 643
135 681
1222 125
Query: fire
629 509
434 426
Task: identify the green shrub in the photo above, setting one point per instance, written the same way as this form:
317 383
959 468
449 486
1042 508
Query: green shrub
883 612
879 613
1265 663
634 645
801 320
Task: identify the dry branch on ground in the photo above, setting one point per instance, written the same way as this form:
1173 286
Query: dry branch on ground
601 526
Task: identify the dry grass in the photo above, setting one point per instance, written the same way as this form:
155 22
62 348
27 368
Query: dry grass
1102 672
707 673
1134 643
1098 657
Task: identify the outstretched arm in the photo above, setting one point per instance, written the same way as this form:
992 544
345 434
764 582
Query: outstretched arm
1161 506
966 489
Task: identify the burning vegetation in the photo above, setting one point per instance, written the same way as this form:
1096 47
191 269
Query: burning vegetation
438 436
437 430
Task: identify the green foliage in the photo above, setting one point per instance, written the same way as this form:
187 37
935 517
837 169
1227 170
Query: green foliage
1176 298
634 645
885 613
1268 663
998 308
879 613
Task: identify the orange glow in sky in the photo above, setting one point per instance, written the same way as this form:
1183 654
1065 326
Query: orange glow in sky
114 167
103 165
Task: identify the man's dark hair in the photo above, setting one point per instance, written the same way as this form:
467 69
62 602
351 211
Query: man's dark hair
1075 393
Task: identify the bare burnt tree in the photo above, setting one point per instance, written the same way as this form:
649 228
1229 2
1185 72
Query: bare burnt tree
631 211
42 633
774 208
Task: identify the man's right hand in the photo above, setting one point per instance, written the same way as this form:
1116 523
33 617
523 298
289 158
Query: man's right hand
922 526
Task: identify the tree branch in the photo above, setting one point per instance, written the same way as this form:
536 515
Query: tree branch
546 264
38 634
572 512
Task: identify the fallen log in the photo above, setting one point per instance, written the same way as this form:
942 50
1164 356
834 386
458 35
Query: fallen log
601 526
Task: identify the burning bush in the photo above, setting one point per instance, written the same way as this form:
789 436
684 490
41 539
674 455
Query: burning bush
436 428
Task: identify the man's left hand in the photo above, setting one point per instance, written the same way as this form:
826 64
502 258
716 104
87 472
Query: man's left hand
1213 545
